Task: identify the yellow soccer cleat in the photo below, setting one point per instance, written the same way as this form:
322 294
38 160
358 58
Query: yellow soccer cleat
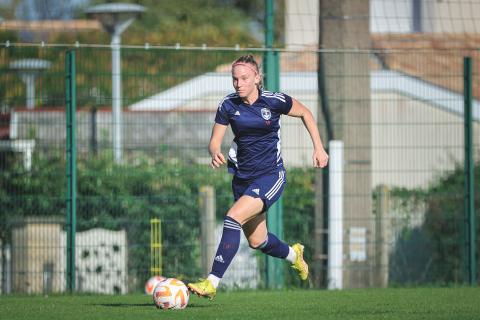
203 288
300 265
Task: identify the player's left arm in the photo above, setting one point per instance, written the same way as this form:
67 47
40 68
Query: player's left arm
320 156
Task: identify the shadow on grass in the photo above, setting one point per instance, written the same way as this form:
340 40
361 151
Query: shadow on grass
116 305
129 305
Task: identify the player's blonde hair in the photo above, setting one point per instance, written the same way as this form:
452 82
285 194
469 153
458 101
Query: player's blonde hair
249 61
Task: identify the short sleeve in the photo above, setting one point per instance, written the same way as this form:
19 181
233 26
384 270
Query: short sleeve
279 102
221 117
287 106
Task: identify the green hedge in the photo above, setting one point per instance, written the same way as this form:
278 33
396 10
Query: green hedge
434 251
127 196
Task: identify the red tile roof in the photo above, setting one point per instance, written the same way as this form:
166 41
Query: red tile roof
436 58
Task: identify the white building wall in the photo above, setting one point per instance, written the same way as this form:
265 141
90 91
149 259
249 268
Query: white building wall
391 16
451 16
301 23
386 16
413 142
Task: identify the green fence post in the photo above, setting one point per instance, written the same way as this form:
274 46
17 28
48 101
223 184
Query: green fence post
274 267
469 174
71 164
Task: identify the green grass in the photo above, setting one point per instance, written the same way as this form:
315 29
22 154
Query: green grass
411 303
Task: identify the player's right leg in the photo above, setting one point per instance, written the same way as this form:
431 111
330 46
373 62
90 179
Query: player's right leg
243 209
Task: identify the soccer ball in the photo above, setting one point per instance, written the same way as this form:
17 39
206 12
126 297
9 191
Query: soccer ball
152 283
171 294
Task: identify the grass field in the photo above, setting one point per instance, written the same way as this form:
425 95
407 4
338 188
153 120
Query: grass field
414 303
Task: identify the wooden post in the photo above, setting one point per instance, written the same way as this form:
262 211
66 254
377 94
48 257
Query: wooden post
382 236
207 226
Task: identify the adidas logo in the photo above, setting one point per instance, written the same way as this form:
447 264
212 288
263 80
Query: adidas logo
257 191
219 259
237 113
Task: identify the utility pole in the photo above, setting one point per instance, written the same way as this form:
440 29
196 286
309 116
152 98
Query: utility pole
345 108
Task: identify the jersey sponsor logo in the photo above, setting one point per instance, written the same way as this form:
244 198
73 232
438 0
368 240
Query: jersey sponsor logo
266 114
219 258
237 113
257 191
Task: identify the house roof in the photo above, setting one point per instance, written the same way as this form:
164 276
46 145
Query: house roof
427 67
436 58
50 25
218 84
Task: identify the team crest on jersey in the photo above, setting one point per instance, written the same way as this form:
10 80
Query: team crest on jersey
266 114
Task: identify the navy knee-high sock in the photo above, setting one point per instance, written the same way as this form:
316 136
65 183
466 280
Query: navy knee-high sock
228 246
274 247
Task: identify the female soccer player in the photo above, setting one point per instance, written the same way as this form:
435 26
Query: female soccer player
257 165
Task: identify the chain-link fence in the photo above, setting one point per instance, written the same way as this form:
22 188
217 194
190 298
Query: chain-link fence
399 115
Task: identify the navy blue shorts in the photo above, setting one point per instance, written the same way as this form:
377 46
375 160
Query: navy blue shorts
268 188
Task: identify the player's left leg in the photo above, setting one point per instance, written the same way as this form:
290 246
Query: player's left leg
259 238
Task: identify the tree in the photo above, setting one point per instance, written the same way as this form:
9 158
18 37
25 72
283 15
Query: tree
190 23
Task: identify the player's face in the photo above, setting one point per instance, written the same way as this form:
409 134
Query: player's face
245 80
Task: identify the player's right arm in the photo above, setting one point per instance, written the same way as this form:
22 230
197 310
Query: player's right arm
214 147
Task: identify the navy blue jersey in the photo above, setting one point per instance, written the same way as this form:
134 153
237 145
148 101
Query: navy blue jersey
256 148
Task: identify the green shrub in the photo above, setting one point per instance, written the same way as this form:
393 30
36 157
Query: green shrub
127 196
435 251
